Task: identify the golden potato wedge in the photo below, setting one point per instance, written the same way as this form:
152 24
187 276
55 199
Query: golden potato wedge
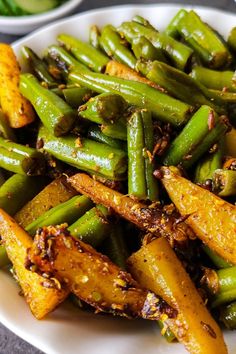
42 295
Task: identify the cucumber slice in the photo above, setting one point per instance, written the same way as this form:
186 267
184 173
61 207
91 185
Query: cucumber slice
4 10
14 9
36 6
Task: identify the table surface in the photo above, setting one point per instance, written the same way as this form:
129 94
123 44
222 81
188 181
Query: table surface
9 342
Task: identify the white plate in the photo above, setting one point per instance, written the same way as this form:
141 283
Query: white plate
26 24
67 330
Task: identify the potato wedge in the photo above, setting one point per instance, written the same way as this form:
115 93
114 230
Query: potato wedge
92 276
58 191
211 218
156 267
114 68
17 108
42 295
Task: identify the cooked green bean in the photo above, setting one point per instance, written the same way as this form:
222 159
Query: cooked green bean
38 66
86 154
117 130
231 41
200 133
172 28
84 52
111 43
228 315
224 182
104 108
53 111
94 36
21 159
66 212
76 96
162 106
95 133
5 130
144 49
92 227
216 259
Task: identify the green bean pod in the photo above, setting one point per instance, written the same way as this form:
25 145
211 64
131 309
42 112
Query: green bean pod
94 36
206 167
144 49
95 133
63 59
172 28
178 53
176 82
231 41
218 261
76 96
21 159
67 212
141 182
224 182
84 52
227 287
204 40
53 111
117 130
143 21
164 107
214 79
18 190
38 66
86 154
92 227
113 45
104 108
166 332
115 247
200 133
228 315
5 130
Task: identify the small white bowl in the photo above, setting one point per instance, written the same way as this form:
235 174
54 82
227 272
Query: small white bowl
25 24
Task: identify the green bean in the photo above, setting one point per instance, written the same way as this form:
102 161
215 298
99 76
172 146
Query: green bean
215 258
136 162
144 49
5 130
115 247
94 36
172 28
228 315
53 111
4 261
84 52
113 45
178 53
67 212
104 108
142 21
231 41
207 166
86 154
177 83
224 182
38 66
162 106
224 96
76 96
200 133
95 133
213 79
21 159
227 287
63 59
203 40
117 130
141 182
18 190
92 227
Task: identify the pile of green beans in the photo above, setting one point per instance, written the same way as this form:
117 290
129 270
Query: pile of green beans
119 130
